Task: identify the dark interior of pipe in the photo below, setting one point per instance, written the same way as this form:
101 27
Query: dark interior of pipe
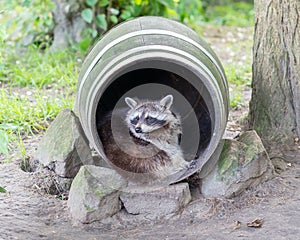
134 78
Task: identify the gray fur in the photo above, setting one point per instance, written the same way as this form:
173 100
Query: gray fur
130 102
167 101
151 155
164 137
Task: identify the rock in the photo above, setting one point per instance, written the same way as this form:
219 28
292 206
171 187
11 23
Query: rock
157 203
64 147
243 163
94 194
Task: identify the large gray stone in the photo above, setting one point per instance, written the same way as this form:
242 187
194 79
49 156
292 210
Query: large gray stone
157 203
94 194
64 147
243 163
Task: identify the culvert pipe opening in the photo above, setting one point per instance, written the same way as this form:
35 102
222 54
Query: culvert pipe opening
146 64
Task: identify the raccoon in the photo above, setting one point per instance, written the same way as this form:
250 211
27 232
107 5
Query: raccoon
146 142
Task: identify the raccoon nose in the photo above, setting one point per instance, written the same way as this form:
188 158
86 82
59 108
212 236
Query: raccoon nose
138 130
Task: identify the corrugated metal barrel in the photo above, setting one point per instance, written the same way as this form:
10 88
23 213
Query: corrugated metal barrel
171 58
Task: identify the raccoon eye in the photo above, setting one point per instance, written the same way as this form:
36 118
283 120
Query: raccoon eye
150 120
135 120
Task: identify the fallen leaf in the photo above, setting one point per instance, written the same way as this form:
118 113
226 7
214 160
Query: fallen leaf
2 190
237 225
257 223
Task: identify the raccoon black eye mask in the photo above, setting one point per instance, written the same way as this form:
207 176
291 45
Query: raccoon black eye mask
148 120
144 117
154 121
135 120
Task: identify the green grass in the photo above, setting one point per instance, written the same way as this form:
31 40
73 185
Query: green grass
234 14
34 87
238 77
4 141
19 113
39 69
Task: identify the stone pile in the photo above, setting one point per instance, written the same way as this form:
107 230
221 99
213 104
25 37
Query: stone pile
98 192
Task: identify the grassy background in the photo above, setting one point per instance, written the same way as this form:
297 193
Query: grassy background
35 83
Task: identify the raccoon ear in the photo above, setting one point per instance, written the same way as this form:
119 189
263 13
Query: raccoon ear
167 101
131 102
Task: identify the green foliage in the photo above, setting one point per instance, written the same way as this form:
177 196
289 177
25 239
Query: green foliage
238 78
29 114
2 190
190 11
28 21
91 2
101 21
239 74
233 14
3 142
23 154
34 87
31 21
38 69
87 15
101 15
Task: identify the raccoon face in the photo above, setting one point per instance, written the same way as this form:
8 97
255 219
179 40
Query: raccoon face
146 117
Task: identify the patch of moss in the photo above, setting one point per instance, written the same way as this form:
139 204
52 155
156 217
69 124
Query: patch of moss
228 162
88 208
99 193
251 147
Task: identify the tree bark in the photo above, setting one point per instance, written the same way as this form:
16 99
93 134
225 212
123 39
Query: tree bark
275 104
68 24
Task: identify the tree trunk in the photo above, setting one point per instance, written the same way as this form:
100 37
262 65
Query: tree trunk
68 23
275 104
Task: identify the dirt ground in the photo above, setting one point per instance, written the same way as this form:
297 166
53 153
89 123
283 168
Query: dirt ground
27 212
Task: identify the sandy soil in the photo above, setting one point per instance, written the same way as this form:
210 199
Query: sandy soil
27 212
